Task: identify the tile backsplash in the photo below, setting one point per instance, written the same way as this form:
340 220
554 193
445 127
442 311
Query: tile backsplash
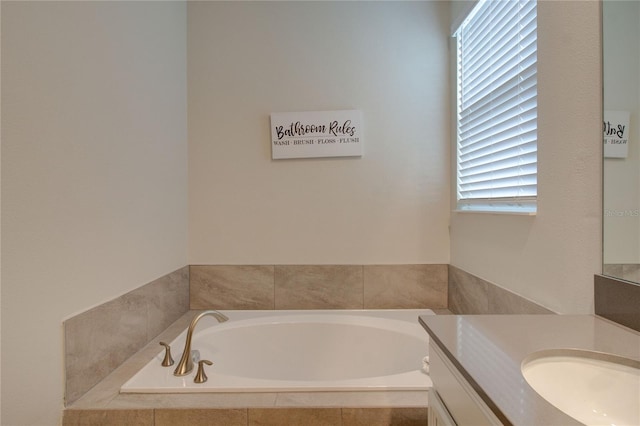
405 286
624 271
319 286
99 340
469 294
231 287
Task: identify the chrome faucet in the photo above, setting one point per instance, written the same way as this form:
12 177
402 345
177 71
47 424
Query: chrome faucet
186 363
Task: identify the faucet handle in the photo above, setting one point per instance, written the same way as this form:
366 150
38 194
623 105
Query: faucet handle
167 361
201 377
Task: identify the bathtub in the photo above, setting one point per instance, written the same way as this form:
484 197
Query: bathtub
288 351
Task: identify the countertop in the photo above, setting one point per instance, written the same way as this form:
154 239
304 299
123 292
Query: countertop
489 350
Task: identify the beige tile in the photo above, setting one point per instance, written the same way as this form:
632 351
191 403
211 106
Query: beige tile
467 293
318 287
405 286
384 416
127 401
624 271
631 272
231 287
294 417
99 340
502 301
353 399
613 270
194 400
167 299
107 418
201 417
97 397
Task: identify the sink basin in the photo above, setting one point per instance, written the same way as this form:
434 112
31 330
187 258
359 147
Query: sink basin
593 388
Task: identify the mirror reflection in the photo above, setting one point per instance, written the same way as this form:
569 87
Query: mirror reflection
621 197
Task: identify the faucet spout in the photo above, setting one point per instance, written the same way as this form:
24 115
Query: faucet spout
186 363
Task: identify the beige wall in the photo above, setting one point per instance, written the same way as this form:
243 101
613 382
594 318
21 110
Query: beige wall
550 258
389 60
94 175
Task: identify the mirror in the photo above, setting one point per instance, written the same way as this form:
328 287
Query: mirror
621 193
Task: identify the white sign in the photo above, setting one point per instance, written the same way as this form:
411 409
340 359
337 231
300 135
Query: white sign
316 134
616 134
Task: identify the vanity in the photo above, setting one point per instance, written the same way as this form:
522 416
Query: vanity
476 365
563 369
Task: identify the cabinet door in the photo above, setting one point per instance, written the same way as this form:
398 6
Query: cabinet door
438 414
462 402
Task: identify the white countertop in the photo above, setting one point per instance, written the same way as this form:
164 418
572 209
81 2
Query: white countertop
489 351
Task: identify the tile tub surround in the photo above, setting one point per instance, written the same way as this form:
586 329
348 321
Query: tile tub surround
318 286
406 286
469 294
104 405
617 300
250 417
231 287
101 339
623 271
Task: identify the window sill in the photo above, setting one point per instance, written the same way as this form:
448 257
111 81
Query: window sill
501 212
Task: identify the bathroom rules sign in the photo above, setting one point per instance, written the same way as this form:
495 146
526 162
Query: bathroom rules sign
316 134
616 134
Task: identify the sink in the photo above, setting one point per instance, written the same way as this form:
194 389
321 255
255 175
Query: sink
594 388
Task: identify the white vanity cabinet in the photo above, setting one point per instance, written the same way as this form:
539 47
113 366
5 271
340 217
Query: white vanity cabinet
452 400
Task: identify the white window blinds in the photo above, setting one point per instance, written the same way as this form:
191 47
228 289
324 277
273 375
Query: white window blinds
497 107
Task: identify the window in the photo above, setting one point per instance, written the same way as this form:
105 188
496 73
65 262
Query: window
497 107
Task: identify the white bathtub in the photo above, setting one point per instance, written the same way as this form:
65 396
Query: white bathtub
284 351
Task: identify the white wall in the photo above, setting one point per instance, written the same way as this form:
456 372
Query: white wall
621 35
94 175
551 258
389 60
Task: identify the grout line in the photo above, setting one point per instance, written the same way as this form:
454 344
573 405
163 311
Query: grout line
273 280
363 284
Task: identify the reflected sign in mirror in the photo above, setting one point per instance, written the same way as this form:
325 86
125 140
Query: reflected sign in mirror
621 196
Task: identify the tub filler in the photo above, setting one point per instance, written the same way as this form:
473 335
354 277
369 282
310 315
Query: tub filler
288 351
